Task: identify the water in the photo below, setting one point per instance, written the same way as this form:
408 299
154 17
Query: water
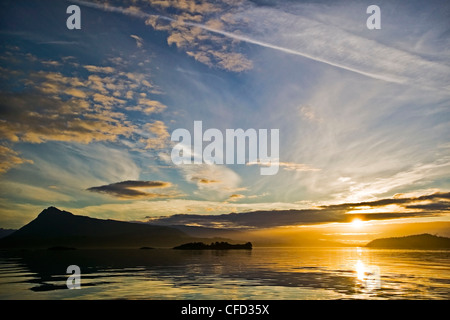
262 273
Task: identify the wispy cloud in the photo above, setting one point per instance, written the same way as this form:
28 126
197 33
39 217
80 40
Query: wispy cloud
236 197
36 194
188 33
38 118
288 166
10 158
92 68
148 106
159 138
213 181
307 112
58 106
358 191
74 167
316 40
139 40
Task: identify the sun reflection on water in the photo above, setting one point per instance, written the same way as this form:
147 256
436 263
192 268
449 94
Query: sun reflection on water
368 277
360 271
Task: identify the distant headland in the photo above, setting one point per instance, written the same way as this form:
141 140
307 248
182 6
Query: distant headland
213 246
421 241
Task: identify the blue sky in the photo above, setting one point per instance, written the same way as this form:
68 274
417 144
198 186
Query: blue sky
363 114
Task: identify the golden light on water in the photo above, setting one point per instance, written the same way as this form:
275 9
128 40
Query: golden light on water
368 276
360 270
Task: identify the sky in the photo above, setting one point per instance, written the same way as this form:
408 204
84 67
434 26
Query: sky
363 115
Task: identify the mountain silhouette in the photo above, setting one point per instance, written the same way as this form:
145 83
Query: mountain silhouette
420 241
5 232
57 228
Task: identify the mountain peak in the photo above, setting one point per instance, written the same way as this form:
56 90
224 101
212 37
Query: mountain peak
57 228
53 211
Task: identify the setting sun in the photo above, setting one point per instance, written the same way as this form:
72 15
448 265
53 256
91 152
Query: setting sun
357 223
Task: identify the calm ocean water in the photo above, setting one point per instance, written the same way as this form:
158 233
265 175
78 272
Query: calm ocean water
263 273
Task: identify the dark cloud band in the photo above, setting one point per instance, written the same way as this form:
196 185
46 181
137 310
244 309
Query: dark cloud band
132 189
325 214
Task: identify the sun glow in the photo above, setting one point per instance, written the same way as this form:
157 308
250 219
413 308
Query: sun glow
357 223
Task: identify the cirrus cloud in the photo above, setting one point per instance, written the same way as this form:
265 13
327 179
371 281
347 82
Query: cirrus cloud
10 158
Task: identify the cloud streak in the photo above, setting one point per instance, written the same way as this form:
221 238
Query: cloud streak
325 214
133 189
288 166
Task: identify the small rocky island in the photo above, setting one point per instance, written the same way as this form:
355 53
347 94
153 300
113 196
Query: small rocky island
213 246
